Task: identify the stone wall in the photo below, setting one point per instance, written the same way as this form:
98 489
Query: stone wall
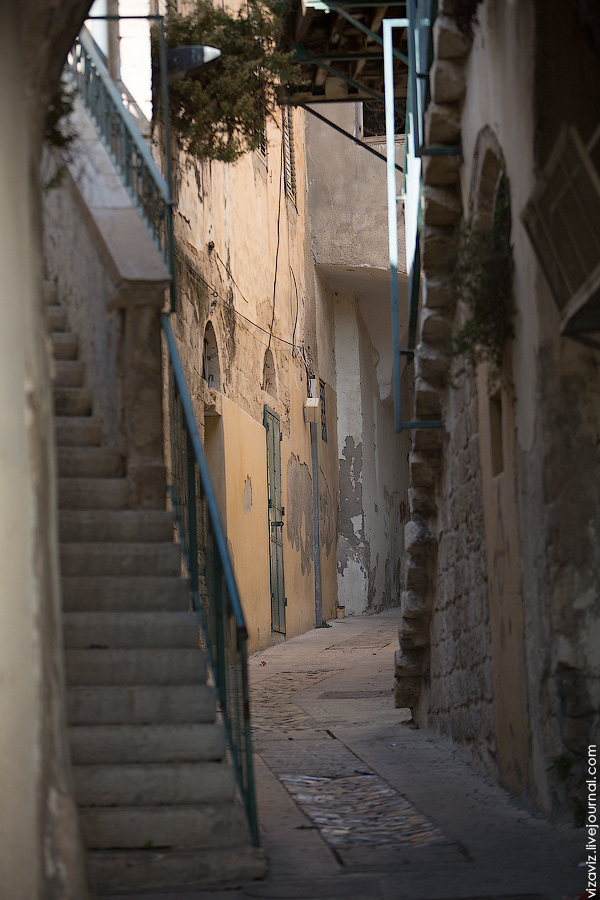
503 603
458 700
40 850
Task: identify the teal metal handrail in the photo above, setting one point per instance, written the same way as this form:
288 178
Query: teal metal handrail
421 16
213 591
123 141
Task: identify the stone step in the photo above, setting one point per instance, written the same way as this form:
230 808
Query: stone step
107 744
89 462
56 317
131 629
154 785
115 525
93 493
140 704
69 373
136 594
72 431
127 558
64 346
180 827
72 401
144 870
157 665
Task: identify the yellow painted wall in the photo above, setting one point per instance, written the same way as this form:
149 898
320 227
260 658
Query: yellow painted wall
507 616
247 525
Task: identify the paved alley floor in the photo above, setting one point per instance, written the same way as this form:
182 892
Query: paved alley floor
356 804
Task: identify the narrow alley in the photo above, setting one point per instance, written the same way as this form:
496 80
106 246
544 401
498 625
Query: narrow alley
354 802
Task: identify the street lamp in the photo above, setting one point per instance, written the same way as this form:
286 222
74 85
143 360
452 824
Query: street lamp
184 62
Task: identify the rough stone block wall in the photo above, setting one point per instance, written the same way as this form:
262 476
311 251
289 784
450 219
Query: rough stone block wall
460 694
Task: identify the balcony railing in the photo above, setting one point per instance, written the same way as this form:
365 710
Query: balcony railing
122 139
213 592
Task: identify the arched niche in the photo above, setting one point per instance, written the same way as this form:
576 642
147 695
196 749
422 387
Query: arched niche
269 382
211 370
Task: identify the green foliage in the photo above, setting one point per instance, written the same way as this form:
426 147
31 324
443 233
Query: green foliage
221 113
325 624
482 270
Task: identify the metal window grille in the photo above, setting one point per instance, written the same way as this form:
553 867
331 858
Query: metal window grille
289 158
323 412
563 221
262 147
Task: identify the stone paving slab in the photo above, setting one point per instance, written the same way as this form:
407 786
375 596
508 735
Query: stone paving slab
356 804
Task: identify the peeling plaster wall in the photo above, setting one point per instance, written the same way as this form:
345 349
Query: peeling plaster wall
299 511
234 284
372 474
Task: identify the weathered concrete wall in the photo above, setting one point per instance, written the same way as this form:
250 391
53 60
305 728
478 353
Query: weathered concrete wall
348 194
39 844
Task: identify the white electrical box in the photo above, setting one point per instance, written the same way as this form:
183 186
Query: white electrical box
312 411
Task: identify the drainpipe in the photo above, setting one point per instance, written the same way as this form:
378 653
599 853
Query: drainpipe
314 449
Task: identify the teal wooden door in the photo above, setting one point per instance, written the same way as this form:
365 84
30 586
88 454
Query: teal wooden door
276 512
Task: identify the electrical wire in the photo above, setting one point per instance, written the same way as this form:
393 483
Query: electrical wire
216 296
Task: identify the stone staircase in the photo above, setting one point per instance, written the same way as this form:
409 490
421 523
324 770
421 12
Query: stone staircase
155 792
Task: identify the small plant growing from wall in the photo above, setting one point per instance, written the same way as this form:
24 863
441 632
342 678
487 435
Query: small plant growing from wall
221 113
482 271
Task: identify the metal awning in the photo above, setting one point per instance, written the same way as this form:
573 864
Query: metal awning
337 45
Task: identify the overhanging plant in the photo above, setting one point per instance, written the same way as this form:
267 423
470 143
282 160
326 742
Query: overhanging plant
481 277
222 112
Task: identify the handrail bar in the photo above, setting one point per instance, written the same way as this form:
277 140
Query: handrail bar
89 44
207 487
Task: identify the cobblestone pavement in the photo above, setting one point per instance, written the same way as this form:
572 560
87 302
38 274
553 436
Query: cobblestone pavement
356 804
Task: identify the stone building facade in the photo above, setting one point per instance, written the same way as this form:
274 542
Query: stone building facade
248 337
499 646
